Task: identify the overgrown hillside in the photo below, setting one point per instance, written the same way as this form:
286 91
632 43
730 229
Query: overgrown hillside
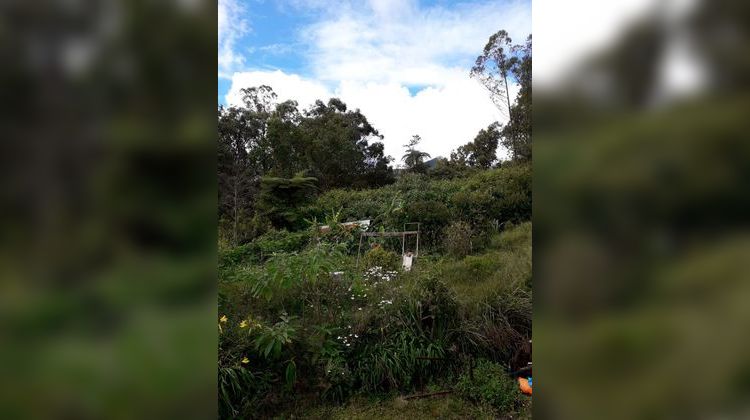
297 339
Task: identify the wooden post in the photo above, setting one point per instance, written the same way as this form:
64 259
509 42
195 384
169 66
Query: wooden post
416 254
359 250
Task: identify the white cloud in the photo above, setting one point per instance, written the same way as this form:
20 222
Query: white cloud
231 26
446 116
388 9
397 43
286 86
370 53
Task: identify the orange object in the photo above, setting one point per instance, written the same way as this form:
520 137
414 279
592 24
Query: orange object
523 383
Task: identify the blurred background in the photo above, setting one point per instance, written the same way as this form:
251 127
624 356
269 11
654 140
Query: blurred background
641 198
108 238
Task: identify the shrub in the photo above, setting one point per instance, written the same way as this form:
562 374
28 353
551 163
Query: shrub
489 384
280 199
274 241
240 390
379 257
394 361
513 237
281 241
457 239
431 308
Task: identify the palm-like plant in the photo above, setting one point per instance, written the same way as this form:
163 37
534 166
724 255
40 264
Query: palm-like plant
413 158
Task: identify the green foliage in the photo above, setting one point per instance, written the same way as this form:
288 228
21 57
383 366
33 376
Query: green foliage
480 153
446 407
274 241
240 390
281 198
271 340
281 241
285 271
335 232
484 200
266 139
367 328
488 383
499 61
457 239
380 331
338 151
413 158
379 257
393 362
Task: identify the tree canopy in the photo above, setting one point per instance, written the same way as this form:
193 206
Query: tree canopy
500 64
266 138
414 159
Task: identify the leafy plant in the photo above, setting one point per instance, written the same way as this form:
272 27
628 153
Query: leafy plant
284 271
240 389
457 239
396 361
271 340
488 383
379 257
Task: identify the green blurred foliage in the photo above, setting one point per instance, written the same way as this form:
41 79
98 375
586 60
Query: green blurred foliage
641 240
107 286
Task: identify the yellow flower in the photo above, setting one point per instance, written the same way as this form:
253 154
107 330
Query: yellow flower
223 319
243 324
245 360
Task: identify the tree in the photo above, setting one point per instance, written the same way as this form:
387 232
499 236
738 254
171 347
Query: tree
492 69
485 146
236 175
499 62
413 158
338 148
264 138
516 134
480 153
447 169
285 141
281 199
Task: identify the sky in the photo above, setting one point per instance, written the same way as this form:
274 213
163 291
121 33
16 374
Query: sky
404 63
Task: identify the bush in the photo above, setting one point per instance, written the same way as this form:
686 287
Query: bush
513 237
457 239
274 241
379 257
486 197
393 362
281 241
490 385
280 199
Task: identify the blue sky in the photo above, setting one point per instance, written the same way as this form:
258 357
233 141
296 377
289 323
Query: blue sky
404 63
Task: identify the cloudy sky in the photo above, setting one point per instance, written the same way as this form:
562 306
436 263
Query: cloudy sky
404 63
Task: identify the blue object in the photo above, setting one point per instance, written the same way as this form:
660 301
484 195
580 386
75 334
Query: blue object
529 378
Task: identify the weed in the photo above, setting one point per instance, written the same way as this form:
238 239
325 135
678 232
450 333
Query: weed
488 383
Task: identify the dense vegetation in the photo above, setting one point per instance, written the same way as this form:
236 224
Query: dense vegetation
296 334
312 322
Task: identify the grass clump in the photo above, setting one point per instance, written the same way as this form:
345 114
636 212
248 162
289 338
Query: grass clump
489 384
